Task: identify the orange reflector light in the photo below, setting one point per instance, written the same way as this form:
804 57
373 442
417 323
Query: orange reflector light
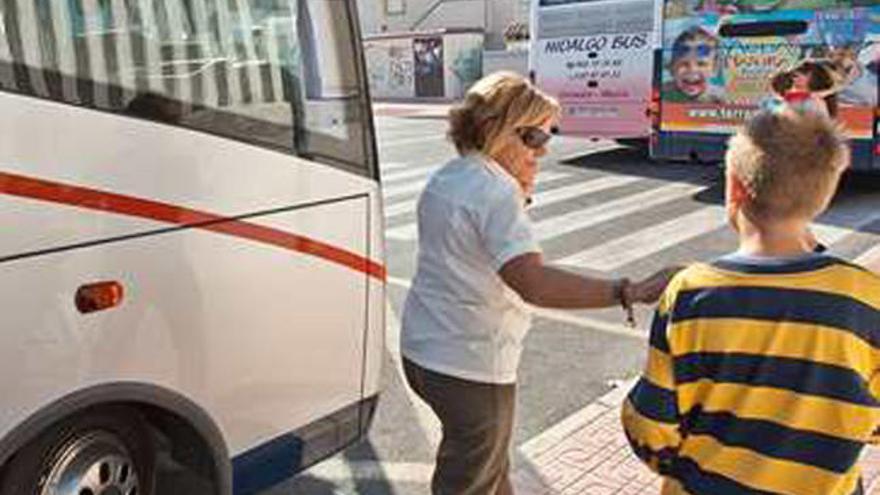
98 296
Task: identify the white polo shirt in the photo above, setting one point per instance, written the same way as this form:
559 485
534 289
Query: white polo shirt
460 318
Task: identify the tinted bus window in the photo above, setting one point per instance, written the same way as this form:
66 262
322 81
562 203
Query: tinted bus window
268 72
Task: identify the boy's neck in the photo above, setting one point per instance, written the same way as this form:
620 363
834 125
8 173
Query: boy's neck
776 239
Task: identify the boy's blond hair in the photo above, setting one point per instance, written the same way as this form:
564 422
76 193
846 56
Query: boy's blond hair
789 162
499 102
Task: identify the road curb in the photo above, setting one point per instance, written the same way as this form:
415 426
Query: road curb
587 454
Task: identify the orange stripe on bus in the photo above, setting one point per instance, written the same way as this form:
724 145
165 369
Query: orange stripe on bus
93 199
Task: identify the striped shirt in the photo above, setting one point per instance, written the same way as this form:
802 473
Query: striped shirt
761 378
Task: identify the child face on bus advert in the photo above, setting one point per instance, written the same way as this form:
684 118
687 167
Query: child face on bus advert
693 65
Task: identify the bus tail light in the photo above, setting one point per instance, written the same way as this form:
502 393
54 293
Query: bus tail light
653 110
98 296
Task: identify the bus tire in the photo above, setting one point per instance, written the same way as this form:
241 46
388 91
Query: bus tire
95 450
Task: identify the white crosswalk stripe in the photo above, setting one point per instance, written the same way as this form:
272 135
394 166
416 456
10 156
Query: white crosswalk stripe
624 250
580 189
588 217
408 174
844 220
543 198
409 231
411 140
870 258
392 166
397 191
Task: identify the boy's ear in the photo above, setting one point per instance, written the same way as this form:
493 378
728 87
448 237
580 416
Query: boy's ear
738 193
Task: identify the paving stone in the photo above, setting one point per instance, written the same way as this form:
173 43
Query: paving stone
595 459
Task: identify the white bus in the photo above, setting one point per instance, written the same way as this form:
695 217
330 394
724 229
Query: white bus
595 57
191 263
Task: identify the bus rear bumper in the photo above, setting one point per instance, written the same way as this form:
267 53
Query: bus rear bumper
709 148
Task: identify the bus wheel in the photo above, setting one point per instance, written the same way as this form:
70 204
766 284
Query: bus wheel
99 452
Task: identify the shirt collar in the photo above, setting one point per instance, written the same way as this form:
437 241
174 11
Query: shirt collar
496 169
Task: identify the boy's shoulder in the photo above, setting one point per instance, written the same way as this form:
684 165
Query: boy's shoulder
691 277
823 273
696 274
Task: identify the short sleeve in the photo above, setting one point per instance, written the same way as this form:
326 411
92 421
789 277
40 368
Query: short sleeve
506 230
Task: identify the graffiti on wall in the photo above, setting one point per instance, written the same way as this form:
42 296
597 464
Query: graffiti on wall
419 66
468 66
390 68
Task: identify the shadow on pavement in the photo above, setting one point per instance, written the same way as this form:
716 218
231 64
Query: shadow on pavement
855 188
634 161
366 452
309 485
860 183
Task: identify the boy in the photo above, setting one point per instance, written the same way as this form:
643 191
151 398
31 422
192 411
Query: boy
763 371
694 64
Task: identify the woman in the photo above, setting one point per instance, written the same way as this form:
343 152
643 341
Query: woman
478 265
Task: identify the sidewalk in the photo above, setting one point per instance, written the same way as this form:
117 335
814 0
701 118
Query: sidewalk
587 454
411 110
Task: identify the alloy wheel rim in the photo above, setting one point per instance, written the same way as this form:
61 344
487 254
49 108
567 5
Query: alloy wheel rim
96 463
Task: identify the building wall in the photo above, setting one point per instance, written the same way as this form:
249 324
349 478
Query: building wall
398 16
423 65
371 14
508 60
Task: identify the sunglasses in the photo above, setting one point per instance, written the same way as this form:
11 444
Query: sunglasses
535 137
700 50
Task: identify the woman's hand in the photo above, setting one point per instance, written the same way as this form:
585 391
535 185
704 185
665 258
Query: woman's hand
649 290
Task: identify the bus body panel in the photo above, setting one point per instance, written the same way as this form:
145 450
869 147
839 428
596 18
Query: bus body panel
715 74
233 324
595 57
217 161
161 163
377 303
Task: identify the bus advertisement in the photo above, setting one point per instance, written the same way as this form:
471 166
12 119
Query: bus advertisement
595 57
718 59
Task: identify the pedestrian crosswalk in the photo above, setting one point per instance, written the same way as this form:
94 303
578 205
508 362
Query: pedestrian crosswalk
615 254
637 216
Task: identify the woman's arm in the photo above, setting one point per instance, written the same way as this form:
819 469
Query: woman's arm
550 287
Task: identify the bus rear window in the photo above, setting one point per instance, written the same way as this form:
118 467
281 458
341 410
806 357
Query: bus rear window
765 28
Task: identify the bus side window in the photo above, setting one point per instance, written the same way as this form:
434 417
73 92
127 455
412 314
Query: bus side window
763 28
252 70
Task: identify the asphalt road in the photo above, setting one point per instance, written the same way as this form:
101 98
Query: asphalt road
600 208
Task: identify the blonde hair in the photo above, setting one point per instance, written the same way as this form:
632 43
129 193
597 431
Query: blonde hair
499 102
789 162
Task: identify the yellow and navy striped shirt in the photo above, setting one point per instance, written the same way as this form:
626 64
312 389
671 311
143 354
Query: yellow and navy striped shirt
762 378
